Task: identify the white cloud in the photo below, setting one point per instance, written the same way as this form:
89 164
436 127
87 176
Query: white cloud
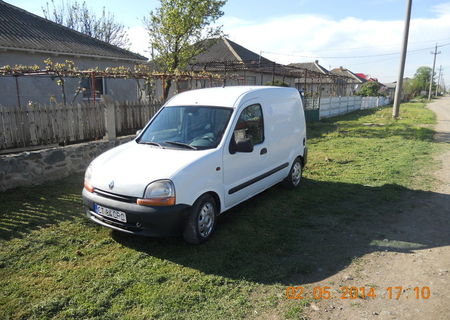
139 40
319 37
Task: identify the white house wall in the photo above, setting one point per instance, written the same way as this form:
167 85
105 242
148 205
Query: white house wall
40 89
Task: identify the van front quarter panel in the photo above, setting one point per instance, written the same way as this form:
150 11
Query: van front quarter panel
202 176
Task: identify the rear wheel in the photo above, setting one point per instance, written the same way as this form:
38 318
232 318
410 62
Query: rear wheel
202 220
295 175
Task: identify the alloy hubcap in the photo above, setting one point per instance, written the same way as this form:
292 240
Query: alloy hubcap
296 173
206 219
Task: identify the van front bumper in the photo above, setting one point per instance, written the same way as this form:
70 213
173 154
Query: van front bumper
141 220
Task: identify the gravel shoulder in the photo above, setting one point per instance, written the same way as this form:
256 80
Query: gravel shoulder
421 259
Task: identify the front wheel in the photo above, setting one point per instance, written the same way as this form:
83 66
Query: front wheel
295 175
202 220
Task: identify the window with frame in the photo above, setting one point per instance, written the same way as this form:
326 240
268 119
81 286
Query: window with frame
250 125
87 87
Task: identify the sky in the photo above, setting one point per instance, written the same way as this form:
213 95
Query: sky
363 36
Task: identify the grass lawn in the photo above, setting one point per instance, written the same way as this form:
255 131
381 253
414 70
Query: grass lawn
55 264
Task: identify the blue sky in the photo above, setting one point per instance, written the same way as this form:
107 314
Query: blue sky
335 32
130 12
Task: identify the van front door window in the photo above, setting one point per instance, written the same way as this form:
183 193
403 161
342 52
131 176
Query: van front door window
250 125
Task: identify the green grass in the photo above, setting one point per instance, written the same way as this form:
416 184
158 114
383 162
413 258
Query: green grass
55 264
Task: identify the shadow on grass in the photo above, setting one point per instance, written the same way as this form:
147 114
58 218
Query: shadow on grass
306 235
23 210
280 236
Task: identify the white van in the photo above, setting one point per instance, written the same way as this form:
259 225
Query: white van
204 152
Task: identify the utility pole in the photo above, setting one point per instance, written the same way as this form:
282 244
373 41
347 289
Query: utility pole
435 53
398 87
439 80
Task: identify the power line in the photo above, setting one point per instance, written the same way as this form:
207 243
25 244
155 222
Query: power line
381 46
354 57
381 60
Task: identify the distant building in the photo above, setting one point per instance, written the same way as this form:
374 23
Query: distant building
366 77
389 89
27 39
354 80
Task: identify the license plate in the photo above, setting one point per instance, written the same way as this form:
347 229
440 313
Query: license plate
110 213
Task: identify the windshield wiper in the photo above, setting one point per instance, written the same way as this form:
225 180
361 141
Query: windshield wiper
151 143
181 144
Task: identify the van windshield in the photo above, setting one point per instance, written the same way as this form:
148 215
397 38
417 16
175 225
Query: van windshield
187 127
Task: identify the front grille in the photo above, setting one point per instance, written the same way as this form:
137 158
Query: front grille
114 196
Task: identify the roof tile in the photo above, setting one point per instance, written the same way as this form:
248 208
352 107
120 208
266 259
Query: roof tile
21 29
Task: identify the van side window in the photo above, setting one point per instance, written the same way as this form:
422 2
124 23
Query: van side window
250 125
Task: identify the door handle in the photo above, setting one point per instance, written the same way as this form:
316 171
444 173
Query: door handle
263 151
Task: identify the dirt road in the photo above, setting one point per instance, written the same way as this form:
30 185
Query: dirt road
421 260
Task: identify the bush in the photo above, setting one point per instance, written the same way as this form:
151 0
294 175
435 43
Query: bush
277 83
369 89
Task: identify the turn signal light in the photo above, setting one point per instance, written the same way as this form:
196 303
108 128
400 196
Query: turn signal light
156 202
88 187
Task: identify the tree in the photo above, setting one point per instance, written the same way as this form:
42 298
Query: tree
178 30
421 82
422 77
77 16
369 89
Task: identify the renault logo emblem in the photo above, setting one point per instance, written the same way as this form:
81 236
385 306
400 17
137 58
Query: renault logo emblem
111 185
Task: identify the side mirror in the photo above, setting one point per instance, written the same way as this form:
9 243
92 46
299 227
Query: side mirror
243 145
138 132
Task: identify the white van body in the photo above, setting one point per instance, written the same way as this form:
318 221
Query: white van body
227 175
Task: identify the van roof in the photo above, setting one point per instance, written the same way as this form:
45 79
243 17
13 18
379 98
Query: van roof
221 96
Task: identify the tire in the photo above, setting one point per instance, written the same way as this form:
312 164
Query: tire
294 178
201 222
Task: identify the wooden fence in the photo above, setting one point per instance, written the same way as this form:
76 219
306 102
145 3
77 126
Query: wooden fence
32 126
131 116
38 125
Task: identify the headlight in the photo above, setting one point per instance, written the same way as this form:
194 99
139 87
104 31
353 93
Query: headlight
158 193
87 179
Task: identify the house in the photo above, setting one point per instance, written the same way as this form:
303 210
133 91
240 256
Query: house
366 77
315 85
354 80
246 67
241 66
27 39
235 64
388 89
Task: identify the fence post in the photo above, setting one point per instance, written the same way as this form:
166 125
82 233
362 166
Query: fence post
110 120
